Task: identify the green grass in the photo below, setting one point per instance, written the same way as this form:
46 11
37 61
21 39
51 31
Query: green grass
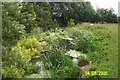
111 53
107 58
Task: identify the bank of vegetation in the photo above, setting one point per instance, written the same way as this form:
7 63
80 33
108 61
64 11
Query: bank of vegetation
53 40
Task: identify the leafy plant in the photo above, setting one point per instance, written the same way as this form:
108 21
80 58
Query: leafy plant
83 40
83 61
12 72
60 64
31 45
12 30
20 57
71 22
36 32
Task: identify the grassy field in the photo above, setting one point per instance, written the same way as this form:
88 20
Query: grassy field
107 58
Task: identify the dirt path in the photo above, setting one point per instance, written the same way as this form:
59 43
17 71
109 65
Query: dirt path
84 69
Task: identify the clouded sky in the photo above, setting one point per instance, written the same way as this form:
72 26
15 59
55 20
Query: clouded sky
105 4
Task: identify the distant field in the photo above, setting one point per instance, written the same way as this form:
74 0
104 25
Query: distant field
107 59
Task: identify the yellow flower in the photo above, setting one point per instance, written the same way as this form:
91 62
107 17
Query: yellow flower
32 49
35 50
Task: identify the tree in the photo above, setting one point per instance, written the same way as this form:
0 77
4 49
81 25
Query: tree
88 12
12 30
105 15
43 16
80 12
110 16
28 16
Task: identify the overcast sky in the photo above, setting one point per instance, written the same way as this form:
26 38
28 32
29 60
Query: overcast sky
105 4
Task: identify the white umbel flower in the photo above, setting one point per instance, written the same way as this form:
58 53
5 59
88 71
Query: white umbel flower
75 61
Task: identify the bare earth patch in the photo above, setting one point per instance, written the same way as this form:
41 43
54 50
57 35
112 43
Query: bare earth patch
84 69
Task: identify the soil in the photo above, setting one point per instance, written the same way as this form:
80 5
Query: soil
84 69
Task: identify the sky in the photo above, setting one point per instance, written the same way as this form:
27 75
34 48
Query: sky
105 4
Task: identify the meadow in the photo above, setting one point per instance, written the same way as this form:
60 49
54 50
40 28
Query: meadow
107 58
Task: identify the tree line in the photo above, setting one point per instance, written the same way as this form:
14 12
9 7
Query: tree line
81 12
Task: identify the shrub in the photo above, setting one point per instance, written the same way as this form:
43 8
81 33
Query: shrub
36 32
41 74
52 37
60 65
71 23
69 72
13 72
83 40
30 44
19 58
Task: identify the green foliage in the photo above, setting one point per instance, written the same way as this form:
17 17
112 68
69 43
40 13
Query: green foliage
60 64
41 74
83 40
13 72
83 61
20 57
16 62
12 30
52 36
24 39
11 10
28 16
107 55
69 72
81 12
44 16
71 22
36 32
30 44
105 15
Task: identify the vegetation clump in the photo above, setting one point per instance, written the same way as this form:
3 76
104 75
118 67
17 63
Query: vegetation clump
83 40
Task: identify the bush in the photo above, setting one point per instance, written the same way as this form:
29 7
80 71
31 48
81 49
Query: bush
71 23
30 44
52 37
41 74
83 40
19 58
12 72
36 32
69 72
60 65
